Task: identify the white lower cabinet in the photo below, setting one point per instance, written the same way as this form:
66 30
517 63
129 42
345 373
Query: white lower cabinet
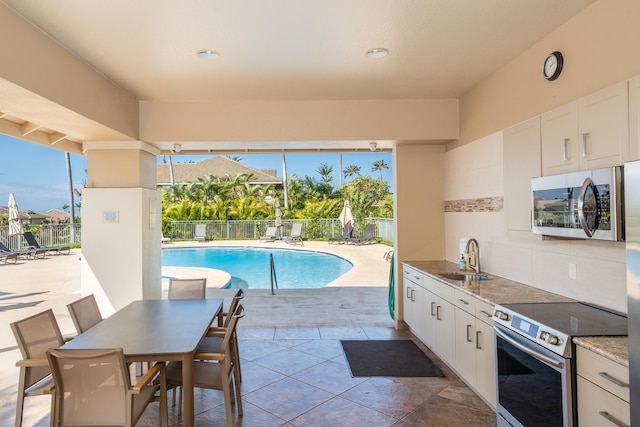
456 326
475 346
603 391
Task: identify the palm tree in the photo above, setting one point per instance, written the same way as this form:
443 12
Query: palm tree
351 170
378 165
325 172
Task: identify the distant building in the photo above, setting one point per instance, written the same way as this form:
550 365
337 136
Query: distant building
218 167
52 216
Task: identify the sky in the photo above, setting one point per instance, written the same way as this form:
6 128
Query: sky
37 175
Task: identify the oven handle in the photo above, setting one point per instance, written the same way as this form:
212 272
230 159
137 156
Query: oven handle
581 216
539 356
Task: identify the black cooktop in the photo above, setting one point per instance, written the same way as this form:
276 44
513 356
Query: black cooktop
575 319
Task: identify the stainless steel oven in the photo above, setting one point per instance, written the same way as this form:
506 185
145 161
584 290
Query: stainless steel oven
535 359
583 205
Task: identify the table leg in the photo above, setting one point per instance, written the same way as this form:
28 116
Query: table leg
187 390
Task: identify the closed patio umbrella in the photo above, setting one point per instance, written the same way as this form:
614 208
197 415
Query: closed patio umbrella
278 222
15 224
346 215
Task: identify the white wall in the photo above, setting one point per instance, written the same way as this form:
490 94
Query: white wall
475 170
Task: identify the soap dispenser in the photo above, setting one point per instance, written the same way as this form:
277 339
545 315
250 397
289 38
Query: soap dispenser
463 263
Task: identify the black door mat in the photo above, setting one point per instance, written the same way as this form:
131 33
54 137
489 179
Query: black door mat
389 358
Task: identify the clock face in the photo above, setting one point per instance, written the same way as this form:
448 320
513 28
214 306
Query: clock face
552 66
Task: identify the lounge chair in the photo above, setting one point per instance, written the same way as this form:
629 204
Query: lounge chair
347 233
367 237
33 244
200 232
6 257
29 253
296 235
270 235
164 239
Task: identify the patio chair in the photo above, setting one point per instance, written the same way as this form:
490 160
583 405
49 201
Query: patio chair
187 288
29 253
367 237
296 235
215 371
347 232
8 256
35 335
212 342
84 313
33 243
200 232
164 239
270 235
94 388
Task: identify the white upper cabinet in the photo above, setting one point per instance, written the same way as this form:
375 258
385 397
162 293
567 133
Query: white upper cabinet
634 118
590 133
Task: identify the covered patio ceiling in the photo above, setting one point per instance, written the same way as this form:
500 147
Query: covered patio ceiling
133 54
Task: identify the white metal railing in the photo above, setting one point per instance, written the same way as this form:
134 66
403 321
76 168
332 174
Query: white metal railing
64 234
46 235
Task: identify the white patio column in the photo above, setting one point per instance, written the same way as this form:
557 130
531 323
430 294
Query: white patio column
121 223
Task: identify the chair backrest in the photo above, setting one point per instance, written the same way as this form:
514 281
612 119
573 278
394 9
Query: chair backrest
271 231
34 336
84 313
231 327
3 248
187 288
233 307
201 230
369 231
91 386
31 239
296 229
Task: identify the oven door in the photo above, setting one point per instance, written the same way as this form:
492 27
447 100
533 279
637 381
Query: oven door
534 385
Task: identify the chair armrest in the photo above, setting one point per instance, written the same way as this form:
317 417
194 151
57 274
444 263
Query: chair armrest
32 362
216 332
209 356
148 378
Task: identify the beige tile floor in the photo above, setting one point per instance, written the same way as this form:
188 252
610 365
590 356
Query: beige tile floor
294 370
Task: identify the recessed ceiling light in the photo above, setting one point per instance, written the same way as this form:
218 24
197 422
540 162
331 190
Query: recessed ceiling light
377 53
207 54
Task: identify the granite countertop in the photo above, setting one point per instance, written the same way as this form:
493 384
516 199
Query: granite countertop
503 291
614 348
495 291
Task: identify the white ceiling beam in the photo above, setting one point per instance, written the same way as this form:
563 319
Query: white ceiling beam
28 127
56 137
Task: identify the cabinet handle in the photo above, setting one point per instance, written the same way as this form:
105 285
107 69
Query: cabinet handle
463 301
565 157
468 331
485 313
616 381
412 294
478 335
438 312
408 290
417 277
584 144
612 419
433 304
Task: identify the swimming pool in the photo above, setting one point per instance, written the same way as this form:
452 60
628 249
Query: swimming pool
249 267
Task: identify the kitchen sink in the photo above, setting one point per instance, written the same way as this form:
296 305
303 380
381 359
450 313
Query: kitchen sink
465 277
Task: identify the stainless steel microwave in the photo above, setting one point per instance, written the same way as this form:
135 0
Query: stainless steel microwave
582 205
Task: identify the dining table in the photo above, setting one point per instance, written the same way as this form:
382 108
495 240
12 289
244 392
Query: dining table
156 331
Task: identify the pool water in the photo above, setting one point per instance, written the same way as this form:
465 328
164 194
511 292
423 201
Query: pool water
249 267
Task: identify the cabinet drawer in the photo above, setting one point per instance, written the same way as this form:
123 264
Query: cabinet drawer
412 274
597 407
603 372
444 291
464 301
484 312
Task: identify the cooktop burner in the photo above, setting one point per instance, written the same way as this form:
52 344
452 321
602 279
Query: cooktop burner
553 325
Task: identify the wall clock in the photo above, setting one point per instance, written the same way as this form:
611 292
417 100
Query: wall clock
552 66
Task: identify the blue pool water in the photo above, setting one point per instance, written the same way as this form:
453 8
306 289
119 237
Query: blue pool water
249 267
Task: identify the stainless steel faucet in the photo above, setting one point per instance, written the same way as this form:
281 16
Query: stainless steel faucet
474 262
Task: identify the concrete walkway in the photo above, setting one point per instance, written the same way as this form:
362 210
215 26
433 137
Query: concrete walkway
357 299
